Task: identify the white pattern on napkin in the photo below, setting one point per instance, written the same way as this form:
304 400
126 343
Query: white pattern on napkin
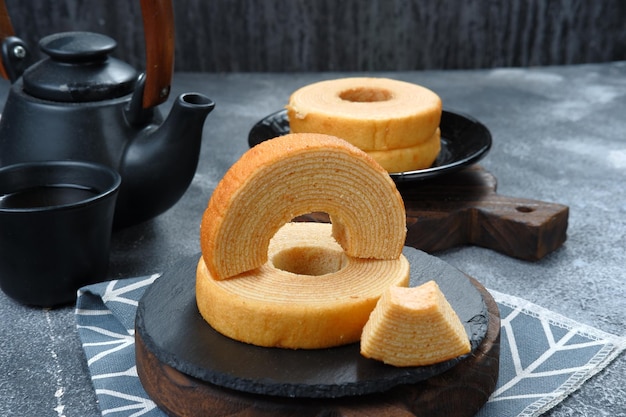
539 372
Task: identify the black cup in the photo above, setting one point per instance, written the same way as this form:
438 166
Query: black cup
56 219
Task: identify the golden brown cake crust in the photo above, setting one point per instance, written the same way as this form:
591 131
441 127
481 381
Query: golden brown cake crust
293 175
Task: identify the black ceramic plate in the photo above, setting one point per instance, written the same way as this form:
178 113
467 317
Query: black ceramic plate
464 141
173 330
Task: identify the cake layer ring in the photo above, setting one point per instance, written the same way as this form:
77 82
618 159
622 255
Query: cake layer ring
374 114
308 295
292 175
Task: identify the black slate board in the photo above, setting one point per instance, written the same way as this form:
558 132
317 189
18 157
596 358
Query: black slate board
169 323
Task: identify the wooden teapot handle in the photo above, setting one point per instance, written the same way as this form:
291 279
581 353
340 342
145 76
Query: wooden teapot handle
6 30
158 22
158 26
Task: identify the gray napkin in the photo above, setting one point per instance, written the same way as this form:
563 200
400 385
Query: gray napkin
544 356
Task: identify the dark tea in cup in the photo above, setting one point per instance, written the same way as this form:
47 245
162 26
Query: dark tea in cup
55 229
46 196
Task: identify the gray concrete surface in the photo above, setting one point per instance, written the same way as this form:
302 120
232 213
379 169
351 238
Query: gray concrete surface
559 136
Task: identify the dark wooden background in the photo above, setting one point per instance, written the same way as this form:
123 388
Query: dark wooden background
349 35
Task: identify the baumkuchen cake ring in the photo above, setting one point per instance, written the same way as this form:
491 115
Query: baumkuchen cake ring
249 298
395 122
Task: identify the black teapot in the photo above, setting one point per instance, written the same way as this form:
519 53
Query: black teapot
79 103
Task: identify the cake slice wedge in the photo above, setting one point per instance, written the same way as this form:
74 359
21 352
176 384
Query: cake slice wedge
414 326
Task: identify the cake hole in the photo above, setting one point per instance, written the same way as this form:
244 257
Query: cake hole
366 95
316 216
309 260
524 209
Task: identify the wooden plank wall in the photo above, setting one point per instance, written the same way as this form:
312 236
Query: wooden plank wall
349 35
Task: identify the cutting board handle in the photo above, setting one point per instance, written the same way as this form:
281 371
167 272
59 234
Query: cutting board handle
464 209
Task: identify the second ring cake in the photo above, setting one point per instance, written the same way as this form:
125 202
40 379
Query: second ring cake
396 122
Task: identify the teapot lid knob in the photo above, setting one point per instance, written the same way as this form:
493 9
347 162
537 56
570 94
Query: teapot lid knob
79 69
77 46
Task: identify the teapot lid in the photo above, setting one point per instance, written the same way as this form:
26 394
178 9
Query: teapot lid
79 69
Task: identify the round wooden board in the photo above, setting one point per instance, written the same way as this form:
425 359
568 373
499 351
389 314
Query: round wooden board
459 392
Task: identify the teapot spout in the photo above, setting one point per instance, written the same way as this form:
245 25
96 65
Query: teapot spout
158 167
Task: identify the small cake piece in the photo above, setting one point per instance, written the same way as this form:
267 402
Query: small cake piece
414 327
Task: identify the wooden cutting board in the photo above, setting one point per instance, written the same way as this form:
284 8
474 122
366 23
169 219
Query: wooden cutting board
463 208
